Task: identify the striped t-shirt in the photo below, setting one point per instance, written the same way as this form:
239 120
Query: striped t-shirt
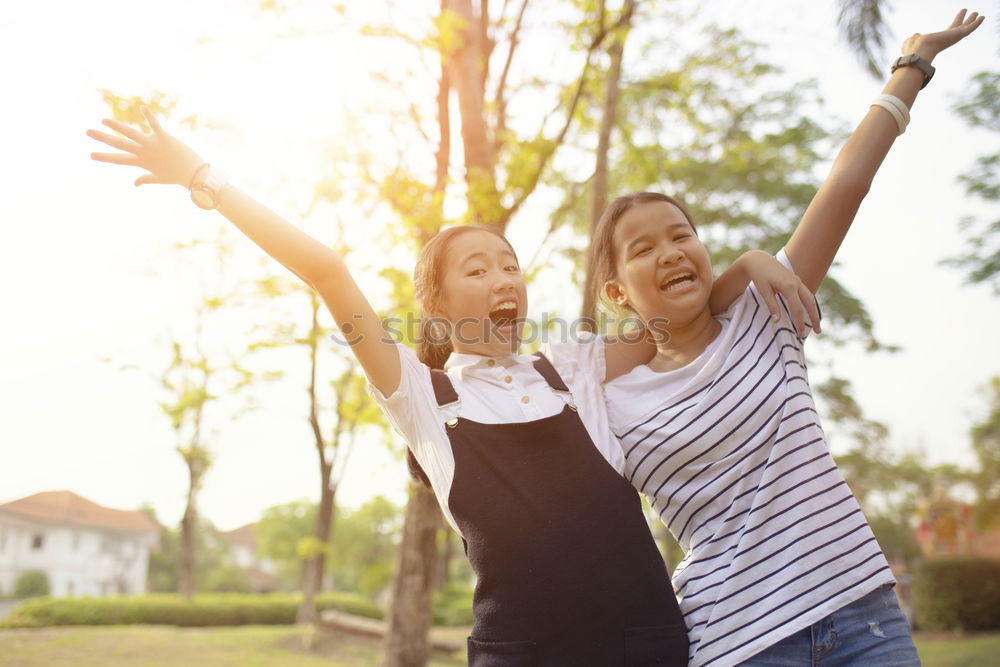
730 453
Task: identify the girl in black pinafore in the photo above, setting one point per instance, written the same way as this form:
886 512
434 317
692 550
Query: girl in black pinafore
518 449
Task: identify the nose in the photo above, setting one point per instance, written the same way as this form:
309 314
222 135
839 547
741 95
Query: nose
503 284
670 254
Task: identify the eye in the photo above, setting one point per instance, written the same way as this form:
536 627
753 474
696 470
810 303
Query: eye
642 251
476 272
681 237
512 267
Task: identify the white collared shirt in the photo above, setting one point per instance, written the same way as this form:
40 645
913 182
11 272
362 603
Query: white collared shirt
495 390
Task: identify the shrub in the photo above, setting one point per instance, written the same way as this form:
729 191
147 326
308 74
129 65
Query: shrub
453 606
957 594
172 609
31 584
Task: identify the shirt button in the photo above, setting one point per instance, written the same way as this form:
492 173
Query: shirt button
508 379
491 362
525 399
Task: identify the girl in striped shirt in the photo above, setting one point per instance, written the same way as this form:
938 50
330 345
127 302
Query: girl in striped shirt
721 433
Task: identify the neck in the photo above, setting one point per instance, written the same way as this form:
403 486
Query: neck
686 343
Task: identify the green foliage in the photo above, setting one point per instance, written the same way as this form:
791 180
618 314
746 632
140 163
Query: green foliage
985 436
957 594
862 25
166 609
278 533
31 584
360 556
364 547
226 578
980 108
453 606
715 127
212 567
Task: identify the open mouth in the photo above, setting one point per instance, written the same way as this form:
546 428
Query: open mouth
677 281
503 313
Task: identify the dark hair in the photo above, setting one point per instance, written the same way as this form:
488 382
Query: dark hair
602 245
428 277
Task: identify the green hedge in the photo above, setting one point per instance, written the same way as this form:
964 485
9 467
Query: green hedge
31 584
957 594
172 609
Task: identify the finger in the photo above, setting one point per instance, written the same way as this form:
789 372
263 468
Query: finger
129 131
151 119
771 301
812 307
115 142
147 179
798 312
959 19
116 158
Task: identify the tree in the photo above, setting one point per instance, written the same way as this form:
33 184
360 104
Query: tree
352 411
862 26
279 531
501 171
985 436
193 378
980 108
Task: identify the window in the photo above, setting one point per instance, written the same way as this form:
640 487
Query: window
37 542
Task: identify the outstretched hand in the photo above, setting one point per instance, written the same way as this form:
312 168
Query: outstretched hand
166 159
929 45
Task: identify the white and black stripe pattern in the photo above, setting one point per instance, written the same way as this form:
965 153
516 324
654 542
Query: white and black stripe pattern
736 463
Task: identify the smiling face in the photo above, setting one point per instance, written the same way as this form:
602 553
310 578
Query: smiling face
483 294
662 269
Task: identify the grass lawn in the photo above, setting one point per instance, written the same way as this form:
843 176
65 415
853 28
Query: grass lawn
950 650
166 646
280 646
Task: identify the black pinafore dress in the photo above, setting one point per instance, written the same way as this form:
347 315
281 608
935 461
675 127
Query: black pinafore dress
568 572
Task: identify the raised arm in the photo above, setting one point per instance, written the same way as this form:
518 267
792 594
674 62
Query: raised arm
169 161
817 238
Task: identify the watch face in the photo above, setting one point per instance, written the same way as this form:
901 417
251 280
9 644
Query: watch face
203 198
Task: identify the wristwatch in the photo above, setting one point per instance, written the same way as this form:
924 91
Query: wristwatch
205 191
913 60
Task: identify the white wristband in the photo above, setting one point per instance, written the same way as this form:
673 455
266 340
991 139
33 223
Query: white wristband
899 105
892 109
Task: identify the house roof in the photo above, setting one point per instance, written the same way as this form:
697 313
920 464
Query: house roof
242 536
66 507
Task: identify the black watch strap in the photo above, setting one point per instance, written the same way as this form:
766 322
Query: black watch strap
913 60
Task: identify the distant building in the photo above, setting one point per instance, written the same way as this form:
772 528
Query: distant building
83 548
243 550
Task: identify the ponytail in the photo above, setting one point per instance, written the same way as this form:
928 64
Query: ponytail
433 355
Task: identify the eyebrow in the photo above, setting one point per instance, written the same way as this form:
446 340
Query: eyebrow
481 254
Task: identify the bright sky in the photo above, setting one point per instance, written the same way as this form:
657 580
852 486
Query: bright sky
81 244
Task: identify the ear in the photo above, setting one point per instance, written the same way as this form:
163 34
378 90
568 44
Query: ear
615 294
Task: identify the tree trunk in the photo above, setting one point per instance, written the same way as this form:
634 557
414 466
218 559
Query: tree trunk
312 581
189 527
466 71
442 575
406 641
599 183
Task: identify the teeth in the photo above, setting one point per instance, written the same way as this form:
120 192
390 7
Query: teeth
676 281
504 306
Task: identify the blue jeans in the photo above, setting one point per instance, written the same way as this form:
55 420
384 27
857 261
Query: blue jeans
870 632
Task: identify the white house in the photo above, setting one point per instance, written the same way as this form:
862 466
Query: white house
84 548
